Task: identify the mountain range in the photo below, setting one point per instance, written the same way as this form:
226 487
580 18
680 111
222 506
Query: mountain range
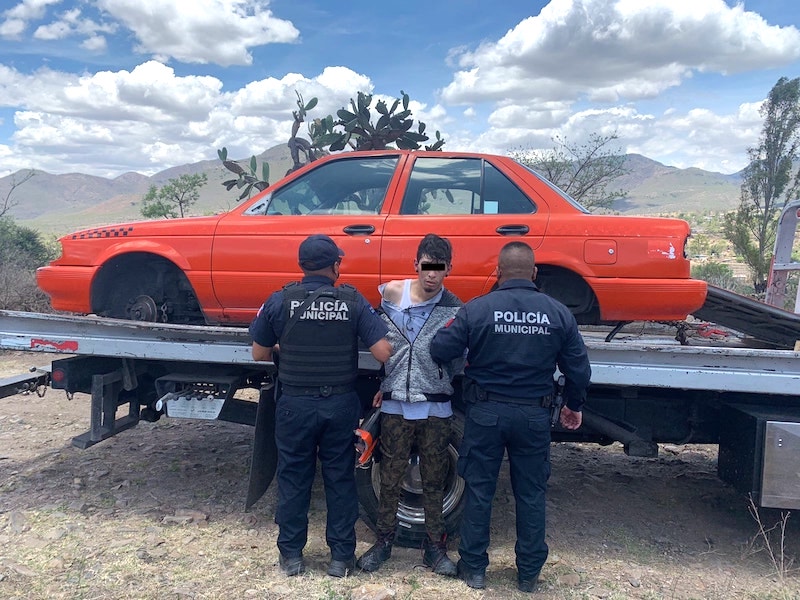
58 204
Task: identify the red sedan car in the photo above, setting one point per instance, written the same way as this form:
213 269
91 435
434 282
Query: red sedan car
376 206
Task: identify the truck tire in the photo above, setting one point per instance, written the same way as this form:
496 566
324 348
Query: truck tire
410 514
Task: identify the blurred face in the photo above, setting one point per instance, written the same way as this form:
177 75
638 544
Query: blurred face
431 273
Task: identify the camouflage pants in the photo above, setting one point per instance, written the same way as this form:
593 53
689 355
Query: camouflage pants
431 437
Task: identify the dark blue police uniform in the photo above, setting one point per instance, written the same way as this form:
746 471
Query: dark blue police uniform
316 421
515 337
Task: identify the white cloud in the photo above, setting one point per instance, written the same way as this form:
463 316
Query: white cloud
579 67
636 50
202 31
149 118
12 28
611 53
703 139
95 43
71 23
29 9
15 19
53 31
698 137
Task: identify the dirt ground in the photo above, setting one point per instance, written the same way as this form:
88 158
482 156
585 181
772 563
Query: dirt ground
157 512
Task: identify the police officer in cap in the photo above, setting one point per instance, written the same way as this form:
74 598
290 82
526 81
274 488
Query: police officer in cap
516 336
316 327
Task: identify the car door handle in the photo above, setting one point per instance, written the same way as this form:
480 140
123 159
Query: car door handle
512 229
359 229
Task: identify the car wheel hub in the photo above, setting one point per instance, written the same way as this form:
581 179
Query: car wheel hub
143 308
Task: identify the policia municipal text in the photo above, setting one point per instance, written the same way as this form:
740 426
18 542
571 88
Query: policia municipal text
316 327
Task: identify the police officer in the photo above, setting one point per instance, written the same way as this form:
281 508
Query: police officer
316 327
515 336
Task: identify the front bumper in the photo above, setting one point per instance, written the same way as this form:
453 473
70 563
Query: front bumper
69 287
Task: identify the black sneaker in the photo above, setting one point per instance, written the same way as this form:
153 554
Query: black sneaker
342 568
379 553
292 566
475 580
434 555
527 585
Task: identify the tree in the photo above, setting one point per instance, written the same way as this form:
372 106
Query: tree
174 198
6 202
701 246
768 181
354 129
716 273
21 252
584 171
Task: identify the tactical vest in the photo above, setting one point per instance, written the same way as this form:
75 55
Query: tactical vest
321 348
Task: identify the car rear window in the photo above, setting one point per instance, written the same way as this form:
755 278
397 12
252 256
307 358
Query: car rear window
462 186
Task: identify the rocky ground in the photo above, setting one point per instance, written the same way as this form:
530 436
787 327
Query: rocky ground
157 513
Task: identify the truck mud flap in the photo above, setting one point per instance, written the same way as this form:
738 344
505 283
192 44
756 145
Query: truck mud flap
264 461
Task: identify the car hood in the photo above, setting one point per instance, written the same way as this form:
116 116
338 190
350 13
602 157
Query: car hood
189 226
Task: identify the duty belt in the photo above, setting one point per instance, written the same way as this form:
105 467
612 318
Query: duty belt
543 401
319 390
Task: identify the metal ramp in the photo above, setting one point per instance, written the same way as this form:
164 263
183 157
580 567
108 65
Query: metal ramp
751 317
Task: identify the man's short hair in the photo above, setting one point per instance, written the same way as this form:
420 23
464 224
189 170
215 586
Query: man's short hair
516 260
436 248
521 247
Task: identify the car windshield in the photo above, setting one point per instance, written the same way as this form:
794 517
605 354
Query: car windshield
557 190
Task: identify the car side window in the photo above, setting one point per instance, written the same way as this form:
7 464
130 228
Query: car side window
350 186
461 186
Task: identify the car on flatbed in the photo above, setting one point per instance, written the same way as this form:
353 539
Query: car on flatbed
377 205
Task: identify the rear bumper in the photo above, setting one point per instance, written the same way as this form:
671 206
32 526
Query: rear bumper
648 299
69 288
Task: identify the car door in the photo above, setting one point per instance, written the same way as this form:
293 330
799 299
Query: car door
478 204
255 248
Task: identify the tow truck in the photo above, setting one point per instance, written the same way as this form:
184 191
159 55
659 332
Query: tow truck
648 388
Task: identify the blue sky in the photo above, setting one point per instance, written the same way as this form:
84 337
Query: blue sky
110 86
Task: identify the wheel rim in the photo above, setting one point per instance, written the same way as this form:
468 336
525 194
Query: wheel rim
409 509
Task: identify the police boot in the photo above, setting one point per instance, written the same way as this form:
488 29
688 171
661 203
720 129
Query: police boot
434 555
379 553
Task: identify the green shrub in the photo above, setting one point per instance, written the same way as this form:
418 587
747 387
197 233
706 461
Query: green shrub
717 274
22 251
